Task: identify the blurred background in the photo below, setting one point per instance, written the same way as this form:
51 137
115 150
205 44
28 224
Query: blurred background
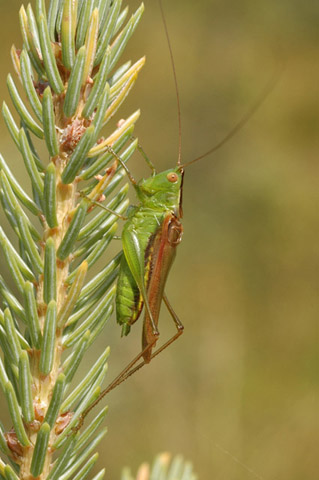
238 393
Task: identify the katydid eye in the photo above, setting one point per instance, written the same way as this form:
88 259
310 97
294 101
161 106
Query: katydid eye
172 177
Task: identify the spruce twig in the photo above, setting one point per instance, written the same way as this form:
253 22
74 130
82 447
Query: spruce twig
68 88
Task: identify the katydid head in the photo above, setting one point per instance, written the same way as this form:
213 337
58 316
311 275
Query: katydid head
162 189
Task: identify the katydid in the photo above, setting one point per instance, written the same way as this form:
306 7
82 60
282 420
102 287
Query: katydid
149 238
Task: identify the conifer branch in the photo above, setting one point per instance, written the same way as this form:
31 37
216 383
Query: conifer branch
68 88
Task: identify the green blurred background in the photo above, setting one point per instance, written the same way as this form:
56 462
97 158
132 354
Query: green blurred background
238 393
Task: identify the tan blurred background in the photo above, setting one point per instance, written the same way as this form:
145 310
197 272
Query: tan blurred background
238 393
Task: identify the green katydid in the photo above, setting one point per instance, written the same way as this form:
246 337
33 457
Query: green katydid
150 236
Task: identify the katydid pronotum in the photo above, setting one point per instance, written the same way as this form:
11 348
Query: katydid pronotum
150 235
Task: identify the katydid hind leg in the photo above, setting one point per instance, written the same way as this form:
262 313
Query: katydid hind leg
132 368
124 375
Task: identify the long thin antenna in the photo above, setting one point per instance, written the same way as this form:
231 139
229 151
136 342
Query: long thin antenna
176 86
242 122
